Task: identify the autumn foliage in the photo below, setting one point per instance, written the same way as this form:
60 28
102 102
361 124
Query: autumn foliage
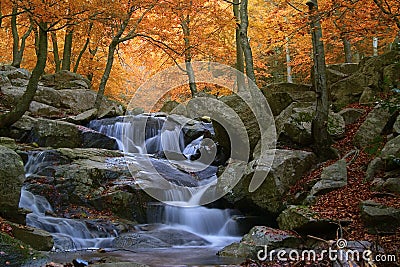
278 28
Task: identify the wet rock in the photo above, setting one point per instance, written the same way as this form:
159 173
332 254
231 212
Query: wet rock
56 134
332 177
8 142
379 218
12 175
169 106
38 239
158 239
18 253
257 239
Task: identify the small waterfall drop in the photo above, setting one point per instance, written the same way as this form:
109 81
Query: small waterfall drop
68 234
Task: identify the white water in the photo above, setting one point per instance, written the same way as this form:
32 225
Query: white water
214 225
68 234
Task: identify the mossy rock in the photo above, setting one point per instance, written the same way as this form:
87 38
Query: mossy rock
16 253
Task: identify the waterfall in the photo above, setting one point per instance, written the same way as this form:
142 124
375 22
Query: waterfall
160 136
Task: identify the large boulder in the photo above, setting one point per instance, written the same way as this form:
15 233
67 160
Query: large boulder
332 177
369 133
351 115
240 123
43 110
94 178
379 218
65 79
15 253
288 167
294 124
278 101
158 238
38 239
50 133
12 176
305 221
298 92
376 73
390 153
22 128
257 239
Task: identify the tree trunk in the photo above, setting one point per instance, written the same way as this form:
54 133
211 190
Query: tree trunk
57 61
244 40
14 30
85 46
375 46
239 51
66 61
106 74
322 140
22 106
188 55
348 55
288 67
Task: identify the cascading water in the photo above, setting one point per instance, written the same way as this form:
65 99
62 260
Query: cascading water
217 226
68 234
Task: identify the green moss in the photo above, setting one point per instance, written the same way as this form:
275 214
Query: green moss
16 253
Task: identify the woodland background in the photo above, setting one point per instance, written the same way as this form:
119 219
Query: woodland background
140 38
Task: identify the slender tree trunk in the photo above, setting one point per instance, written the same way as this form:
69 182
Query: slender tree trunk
66 60
15 36
348 55
36 33
322 140
244 40
239 51
288 67
22 106
188 55
106 74
85 46
92 53
56 54
375 46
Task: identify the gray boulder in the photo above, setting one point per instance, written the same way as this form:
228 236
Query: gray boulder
288 167
12 176
50 133
257 239
38 239
298 92
305 221
43 110
369 133
65 80
392 185
332 177
294 124
278 101
396 126
379 218
390 153
22 128
8 142
351 115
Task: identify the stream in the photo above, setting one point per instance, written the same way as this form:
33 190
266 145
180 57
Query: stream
190 234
